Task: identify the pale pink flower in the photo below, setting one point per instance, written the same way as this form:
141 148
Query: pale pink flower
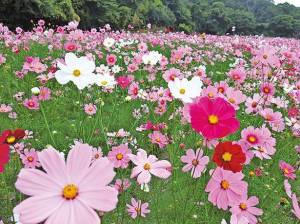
133 90
67 192
158 138
137 208
5 108
119 156
196 162
253 104
226 188
246 208
147 165
238 74
30 158
90 109
122 185
45 94
235 97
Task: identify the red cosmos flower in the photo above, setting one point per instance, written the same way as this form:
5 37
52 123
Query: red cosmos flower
229 156
11 136
213 118
4 156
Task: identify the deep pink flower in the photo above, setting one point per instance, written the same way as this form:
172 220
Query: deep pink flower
287 169
137 208
111 59
32 103
213 118
246 208
147 165
67 192
124 81
119 156
226 188
196 162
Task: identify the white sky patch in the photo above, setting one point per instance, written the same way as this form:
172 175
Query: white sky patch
294 2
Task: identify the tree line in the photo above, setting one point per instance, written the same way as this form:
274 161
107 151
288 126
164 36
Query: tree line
250 17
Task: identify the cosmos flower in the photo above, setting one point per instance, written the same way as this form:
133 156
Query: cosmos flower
119 156
147 165
137 208
226 188
287 169
229 156
195 162
246 208
186 90
213 118
67 192
30 158
105 80
78 70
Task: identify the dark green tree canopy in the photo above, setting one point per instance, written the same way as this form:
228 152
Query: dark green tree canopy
210 16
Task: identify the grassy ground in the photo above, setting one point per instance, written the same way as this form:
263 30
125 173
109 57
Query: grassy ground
178 200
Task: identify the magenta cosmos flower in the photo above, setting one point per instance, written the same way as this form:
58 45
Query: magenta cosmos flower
67 192
195 162
246 208
30 158
147 165
287 169
137 208
213 118
226 188
119 156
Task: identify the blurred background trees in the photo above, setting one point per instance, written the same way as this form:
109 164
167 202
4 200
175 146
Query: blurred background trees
209 16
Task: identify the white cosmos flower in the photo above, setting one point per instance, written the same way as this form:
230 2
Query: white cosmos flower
78 70
186 90
151 58
105 80
109 42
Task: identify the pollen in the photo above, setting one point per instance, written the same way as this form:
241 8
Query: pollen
147 166
30 159
252 139
70 192
195 162
224 184
104 83
182 91
119 156
10 139
76 72
243 206
213 119
227 157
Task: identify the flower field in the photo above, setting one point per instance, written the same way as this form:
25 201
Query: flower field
105 126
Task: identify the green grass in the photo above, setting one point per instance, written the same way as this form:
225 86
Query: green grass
178 200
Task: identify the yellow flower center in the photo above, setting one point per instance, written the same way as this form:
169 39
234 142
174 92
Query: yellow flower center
266 90
10 139
147 166
182 91
76 72
119 156
231 100
243 206
104 83
213 119
286 171
224 184
227 157
210 95
29 158
157 139
252 139
70 192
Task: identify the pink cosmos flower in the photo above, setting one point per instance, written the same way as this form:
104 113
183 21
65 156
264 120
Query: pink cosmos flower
30 158
70 46
147 165
119 156
253 104
252 136
296 209
196 162
97 153
32 103
235 220
211 92
158 138
124 81
287 169
267 89
171 74
274 119
67 192
213 118
246 208
90 109
137 208
221 87
238 74
133 90
45 94
111 59
122 185
226 188
235 97
5 108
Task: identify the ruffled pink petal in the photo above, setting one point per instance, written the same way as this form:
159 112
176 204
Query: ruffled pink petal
54 165
35 182
104 199
78 161
38 208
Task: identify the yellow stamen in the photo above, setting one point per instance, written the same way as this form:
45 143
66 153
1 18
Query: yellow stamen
119 156
70 192
147 166
182 91
225 184
213 119
10 139
227 157
76 72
